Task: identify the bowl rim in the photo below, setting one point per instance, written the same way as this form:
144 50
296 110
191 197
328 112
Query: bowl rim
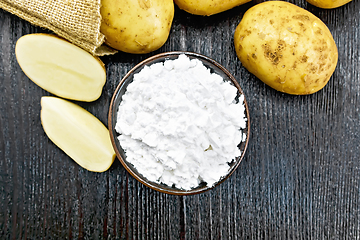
113 110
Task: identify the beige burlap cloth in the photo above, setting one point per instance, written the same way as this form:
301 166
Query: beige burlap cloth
75 20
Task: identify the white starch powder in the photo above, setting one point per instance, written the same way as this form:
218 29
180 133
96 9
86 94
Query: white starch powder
179 124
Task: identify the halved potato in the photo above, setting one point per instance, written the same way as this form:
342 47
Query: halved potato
78 133
60 67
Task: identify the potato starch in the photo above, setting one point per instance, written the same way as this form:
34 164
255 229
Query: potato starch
179 124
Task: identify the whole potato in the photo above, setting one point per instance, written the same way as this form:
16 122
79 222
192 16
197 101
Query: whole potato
136 26
328 3
208 7
286 47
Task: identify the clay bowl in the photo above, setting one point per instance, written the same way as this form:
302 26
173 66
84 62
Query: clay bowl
115 102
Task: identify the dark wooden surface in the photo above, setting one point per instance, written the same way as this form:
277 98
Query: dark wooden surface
300 178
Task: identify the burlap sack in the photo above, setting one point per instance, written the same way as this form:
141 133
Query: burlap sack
75 20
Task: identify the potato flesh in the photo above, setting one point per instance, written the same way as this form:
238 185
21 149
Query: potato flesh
136 27
78 133
208 7
286 47
60 67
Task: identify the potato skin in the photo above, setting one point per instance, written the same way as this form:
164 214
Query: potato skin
286 47
208 7
136 26
328 4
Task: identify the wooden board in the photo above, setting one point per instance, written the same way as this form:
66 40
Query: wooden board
299 178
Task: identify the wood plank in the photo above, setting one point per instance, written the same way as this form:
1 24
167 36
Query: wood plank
299 179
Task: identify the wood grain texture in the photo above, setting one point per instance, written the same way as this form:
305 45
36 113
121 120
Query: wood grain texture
300 178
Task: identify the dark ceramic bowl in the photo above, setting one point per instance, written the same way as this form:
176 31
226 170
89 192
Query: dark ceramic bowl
115 102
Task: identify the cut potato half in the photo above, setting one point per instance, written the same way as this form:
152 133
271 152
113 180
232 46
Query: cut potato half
60 67
78 133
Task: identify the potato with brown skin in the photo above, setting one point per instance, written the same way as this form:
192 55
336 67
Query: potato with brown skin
208 7
286 47
328 4
136 26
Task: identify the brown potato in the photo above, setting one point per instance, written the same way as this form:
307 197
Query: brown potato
208 7
328 3
137 27
286 47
